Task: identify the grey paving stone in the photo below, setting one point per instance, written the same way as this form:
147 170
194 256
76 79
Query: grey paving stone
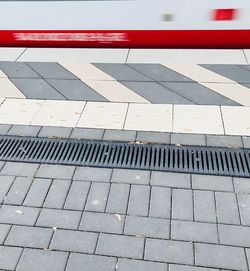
4 230
147 227
182 204
57 194
122 72
37 192
51 70
170 179
242 185
59 218
97 197
77 196
153 137
227 209
246 141
169 251
194 231
204 206
118 198
18 190
87 133
160 73
24 130
37 89
9 257
224 141
220 256
177 267
232 72
75 90
120 246
214 183
246 67
55 171
156 93
234 235
244 206
119 135
198 94
18 70
97 222
139 200
137 265
248 256
55 132
188 139
18 215
90 263
19 169
4 128
160 202
130 176
93 174
40 260
34 237
65 240
6 182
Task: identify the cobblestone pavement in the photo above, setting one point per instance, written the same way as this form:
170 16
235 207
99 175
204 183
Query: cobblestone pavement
68 218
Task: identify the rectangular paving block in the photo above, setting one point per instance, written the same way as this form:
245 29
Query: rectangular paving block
224 141
98 222
234 235
137 265
242 185
194 231
59 218
139 200
37 192
218 256
178 267
90 262
204 206
65 240
246 141
34 237
118 198
4 128
153 137
130 176
18 215
244 206
97 197
40 260
214 183
4 230
24 130
6 182
87 133
187 139
119 135
182 204
77 196
93 174
9 257
19 169
147 227
55 132
57 194
18 190
160 202
227 209
120 246
169 251
18 70
55 171
170 179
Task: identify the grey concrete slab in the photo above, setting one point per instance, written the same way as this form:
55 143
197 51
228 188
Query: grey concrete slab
50 70
4 128
55 171
156 93
224 141
130 176
55 132
160 73
119 135
198 94
93 174
4 230
244 206
137 265
153 137
188 139
37 89
246 67
19 169
9 257
232 72
6 182
242 185
24 130
246 141
87 133
18 70
182 204
122 72
75 90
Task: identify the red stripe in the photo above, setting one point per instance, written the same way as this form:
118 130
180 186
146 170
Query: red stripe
127 38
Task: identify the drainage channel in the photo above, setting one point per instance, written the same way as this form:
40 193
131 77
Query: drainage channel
201 160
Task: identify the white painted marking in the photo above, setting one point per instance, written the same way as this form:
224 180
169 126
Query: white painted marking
215 82
8 89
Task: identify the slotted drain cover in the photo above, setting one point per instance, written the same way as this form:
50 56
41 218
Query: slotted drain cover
205 160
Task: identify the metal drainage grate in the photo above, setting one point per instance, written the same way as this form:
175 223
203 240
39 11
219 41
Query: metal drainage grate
205 160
